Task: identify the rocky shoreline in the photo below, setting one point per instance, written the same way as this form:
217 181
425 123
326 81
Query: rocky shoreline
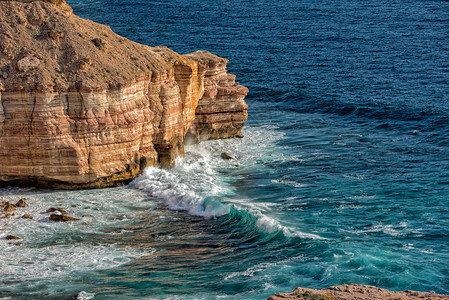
355 292
82 107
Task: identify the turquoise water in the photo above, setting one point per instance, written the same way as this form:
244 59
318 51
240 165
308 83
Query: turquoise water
342 176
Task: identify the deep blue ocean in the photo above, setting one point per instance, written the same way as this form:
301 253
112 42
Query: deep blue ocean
342 177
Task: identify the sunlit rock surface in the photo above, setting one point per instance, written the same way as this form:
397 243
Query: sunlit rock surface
84 107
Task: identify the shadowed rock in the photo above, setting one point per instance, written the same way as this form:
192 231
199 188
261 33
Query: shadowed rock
61 218
8 207
227 156
52 209
21 203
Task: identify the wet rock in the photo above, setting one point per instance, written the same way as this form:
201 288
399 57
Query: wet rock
61 218
21 203
8 216
62 211
8 207
27 216
226 155
12 237
16 244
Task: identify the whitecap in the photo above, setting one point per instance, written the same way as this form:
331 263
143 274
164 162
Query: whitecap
189 186
85 296
289 183
271 225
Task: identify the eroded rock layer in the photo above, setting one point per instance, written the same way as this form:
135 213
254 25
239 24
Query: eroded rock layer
81 106
221 111
355 292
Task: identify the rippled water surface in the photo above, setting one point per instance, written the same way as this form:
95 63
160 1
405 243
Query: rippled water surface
342 177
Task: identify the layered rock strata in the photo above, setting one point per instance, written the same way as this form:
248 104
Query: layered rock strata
221 111
355 292
82 107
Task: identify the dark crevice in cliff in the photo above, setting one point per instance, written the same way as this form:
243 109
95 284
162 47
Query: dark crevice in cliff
220 112
30 134
2 115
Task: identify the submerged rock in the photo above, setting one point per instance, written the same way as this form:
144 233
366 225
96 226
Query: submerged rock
83 107
61 218
16 244
355 292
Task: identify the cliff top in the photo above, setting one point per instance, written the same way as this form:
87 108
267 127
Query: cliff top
58 3
46 47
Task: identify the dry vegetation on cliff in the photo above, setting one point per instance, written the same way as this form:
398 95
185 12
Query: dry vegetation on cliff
45 47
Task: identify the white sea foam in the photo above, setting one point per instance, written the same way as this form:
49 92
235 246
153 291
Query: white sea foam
190 186
265 268
194 185
270 225
59 260
289 183
400 229
49 250
85 296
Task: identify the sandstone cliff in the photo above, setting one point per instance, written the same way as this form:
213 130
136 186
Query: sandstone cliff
84 107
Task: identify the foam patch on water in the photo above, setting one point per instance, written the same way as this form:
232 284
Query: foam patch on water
85 296
59 260
49 250
289 183
401 229
266 268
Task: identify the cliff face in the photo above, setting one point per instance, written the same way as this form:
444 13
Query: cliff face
221 111
84 107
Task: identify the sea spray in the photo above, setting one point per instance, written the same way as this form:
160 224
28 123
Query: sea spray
190 186
196 185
